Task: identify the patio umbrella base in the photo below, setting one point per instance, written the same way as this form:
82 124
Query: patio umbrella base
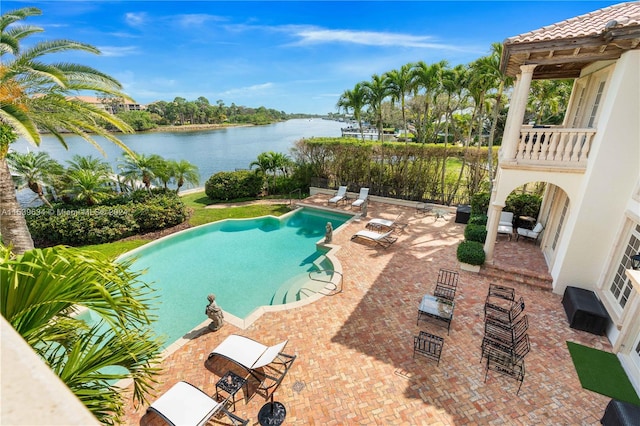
272 414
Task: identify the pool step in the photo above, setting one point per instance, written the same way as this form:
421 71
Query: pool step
281 295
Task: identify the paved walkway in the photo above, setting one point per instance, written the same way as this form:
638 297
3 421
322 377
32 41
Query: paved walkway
354 349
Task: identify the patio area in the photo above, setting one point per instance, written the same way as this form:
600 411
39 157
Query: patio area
354 349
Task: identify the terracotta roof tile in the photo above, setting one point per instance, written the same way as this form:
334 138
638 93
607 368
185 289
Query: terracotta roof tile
590 24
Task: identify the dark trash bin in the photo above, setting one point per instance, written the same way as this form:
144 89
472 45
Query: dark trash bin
620 413
462 213
584 310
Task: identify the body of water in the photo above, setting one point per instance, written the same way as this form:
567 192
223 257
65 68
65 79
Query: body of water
211 151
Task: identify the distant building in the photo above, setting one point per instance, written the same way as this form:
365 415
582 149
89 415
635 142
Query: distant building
111 105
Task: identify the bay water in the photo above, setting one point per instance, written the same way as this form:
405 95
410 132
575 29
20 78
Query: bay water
211 151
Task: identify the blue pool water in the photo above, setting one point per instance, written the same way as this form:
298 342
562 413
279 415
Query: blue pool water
242 262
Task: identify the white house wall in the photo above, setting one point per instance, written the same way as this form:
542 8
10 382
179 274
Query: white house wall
608 184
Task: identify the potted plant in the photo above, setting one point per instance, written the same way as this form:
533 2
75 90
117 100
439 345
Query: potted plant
470 255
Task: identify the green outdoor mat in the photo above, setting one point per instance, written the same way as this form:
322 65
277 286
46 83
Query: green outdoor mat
601 372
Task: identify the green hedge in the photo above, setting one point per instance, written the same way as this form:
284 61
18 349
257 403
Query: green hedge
471 252
74 225
480 219
232 185
475 233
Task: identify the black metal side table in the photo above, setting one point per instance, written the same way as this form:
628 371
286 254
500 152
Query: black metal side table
230 383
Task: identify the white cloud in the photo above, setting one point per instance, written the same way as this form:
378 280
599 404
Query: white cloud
196 19
115 51
368 38
249 90
135 19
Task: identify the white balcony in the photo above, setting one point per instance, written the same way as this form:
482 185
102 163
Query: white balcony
553 146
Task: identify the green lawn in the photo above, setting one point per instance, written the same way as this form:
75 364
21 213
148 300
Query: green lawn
197 202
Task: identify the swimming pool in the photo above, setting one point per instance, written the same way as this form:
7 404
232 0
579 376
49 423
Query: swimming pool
245 263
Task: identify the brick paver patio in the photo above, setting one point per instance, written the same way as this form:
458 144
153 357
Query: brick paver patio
354 350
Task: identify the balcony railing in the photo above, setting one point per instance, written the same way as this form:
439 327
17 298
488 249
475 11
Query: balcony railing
554 146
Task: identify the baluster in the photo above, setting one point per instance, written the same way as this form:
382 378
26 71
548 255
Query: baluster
553 143
586 147
568 147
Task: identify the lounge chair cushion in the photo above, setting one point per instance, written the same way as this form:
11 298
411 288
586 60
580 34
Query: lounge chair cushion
247 352
385 240
340 195
185 404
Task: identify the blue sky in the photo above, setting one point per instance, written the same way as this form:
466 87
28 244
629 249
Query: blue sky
289 55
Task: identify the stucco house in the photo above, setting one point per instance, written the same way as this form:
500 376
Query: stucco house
591 163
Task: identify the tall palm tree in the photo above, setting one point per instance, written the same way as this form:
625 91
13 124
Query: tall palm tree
427 79
454 82
185 172
40 291
354 100
376 92
491 66
33 97
399 85
34 171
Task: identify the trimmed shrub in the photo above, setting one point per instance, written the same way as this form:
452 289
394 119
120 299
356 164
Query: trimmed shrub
471 252
159 212
79 226
232 185
475 233
480 203
480 219
74 225
523 204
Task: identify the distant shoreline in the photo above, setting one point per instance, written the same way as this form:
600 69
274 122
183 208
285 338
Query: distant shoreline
195 127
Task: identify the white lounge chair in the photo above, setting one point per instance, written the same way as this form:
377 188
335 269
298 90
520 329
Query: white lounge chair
341 195
362 197
531 234
376 224
505 226
256 357
384 240
185 404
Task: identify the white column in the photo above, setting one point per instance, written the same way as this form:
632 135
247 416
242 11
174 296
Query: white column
517 107
492 231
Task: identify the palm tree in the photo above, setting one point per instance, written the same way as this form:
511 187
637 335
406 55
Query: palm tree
354 100
90 186
185 172
399 84
40 291
376 93
34 171
33 98
427 78
454 82
264 164
138 168
491 66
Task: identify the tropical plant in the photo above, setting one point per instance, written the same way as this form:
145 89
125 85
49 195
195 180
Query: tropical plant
399 85
263 165
34 171
88 186
185 172
139 168
40 292
40 95
354 100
